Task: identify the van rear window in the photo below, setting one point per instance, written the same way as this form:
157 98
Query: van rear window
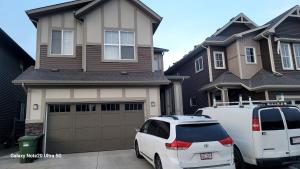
200 132
292 116
271 119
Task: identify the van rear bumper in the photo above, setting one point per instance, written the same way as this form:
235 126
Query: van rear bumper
269 162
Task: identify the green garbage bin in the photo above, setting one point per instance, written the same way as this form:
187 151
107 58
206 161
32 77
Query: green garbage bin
28 148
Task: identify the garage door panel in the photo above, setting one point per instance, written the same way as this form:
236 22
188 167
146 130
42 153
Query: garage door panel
59 147
110 119
59 135
87 120
135 118
95 130
60 122
111 132
111 144
86 134
86 146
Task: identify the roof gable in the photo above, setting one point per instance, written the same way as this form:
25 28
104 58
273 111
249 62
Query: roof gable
240 18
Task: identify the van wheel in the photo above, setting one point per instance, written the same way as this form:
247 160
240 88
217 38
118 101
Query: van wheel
238 159
137 150
157 162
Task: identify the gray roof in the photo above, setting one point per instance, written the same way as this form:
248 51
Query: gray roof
261 80
73 77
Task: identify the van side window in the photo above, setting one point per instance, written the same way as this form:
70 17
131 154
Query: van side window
292 116
153 128
163 130
145 127
271 120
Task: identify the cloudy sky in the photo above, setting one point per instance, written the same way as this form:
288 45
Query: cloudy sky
185 23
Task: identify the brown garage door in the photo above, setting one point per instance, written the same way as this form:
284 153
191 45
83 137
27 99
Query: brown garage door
92 127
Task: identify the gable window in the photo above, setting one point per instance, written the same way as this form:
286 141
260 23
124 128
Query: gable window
297 55
199 64
62 42
250 55
193 101
119 45
286 57
219 60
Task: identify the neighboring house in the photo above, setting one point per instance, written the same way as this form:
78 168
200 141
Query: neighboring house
13 60
244 60
97 75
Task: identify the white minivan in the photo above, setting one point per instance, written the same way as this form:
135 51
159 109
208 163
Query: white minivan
182 142
264 135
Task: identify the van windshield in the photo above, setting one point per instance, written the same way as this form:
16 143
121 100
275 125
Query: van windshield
200 132
292 116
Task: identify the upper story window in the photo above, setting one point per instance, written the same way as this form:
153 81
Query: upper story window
297 55
193 101
199 64
119 45
250 55
286 56
62 42
219 60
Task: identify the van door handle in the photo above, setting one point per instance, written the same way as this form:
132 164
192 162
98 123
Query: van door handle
264 133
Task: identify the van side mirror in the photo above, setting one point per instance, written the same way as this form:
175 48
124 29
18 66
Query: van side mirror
137 130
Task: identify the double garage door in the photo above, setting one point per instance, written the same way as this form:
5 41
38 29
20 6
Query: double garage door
85 127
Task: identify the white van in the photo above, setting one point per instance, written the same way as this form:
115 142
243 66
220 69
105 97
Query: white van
264 135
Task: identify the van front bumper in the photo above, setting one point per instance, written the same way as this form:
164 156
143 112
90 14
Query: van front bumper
269 162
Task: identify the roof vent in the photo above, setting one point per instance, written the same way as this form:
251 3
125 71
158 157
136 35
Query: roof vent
124 73
54 70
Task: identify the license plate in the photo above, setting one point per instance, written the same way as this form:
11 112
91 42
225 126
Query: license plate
206 156
295 140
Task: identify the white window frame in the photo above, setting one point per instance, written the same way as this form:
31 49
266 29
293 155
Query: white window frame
62 42
120 46
295 54
200 63
223 60
254 55
191 102
290 56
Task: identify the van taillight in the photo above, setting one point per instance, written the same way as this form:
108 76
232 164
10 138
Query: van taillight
227 141
255 124
178 145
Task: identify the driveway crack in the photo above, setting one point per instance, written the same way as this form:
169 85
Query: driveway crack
97 160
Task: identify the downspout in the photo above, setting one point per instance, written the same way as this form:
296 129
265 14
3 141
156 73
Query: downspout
209 62
271 54
24 87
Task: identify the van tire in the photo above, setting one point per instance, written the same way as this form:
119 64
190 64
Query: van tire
157 162
137 150
238 159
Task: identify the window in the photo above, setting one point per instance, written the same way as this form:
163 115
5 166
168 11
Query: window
200 132
85 107
62 42
156 63
286 57
219 60
292 116
199 64
193 101
119 45
297 55
152 130
110 107
250 55
133 106
163 130
271 120
59 108
144 128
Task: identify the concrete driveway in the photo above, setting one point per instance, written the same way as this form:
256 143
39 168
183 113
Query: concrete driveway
123 159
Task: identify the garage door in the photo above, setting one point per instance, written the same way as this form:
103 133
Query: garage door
92 127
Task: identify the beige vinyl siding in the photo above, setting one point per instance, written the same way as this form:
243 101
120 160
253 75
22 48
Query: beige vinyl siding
111 16
233 61
40 97
93 26
144 34
250 70
127 15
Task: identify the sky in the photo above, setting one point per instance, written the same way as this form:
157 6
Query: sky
186 23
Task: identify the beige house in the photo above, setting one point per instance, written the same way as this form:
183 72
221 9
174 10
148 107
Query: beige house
97 75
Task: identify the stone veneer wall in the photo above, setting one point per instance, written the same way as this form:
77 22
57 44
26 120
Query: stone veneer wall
34 128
